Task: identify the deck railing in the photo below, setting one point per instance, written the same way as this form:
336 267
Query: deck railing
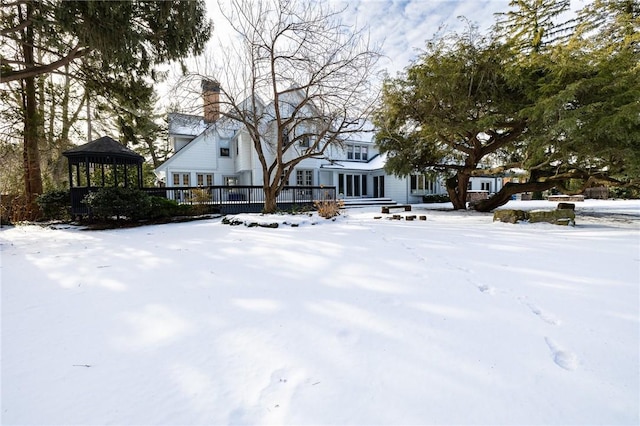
224 199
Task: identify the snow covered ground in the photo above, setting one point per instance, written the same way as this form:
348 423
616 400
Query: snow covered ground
453 320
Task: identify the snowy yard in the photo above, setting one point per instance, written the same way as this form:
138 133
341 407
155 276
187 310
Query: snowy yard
456 320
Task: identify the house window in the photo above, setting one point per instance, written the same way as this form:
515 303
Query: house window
230 181
422 184
180 179
203 179
285 136
486 186
224 152
357 152
304 177
305 141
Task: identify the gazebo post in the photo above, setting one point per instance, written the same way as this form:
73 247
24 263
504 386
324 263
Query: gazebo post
70 175
86 159
114 166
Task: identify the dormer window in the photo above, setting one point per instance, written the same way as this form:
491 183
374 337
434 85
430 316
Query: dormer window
305 141
357 152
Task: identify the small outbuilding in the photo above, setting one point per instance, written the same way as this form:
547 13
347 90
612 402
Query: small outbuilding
101 163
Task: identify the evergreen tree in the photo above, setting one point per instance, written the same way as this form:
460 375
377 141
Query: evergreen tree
454 111
531 26
96 39
565 107
583 128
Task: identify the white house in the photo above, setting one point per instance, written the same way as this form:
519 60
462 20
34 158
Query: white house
210 150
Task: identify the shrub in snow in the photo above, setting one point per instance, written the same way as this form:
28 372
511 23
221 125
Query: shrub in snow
328 208
55 205
200 200
133 204
107 203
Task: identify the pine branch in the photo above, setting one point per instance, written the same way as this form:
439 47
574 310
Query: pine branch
74 54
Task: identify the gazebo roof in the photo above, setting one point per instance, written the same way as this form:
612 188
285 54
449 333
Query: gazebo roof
105 148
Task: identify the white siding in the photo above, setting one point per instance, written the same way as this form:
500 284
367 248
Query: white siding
199 156
242 150
179 142
397 189
326 178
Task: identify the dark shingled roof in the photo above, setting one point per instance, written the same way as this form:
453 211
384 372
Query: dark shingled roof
105 146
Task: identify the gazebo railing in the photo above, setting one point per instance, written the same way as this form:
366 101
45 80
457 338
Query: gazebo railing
78 193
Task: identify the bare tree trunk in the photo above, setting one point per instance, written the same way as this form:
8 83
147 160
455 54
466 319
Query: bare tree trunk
270 199
457 190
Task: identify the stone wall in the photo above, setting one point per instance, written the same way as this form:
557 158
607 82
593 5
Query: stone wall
565 216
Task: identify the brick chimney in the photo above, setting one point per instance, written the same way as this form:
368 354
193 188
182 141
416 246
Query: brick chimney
211 99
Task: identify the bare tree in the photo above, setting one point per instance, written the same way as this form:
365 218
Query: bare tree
292 72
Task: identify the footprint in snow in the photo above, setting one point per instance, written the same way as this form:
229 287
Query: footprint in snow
544 316
486 289
564 359
483 288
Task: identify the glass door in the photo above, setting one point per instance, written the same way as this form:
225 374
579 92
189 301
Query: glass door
352 185
378 186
